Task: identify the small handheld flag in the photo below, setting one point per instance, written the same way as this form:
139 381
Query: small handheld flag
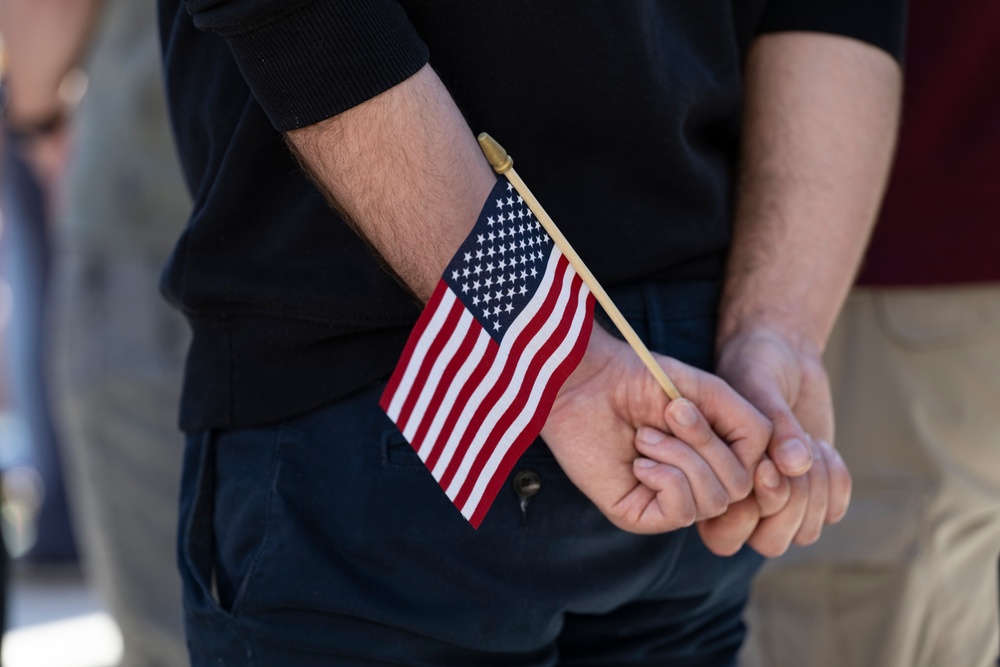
506 325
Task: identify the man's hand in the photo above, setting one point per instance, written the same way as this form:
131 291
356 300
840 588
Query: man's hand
649 464
788 383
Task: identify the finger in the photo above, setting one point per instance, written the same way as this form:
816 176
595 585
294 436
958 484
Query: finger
689 425
771 489
774 534
738 423
726 534
668 506
710 496
840 483
819 500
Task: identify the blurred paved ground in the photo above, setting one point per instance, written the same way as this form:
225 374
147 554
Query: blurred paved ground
55 621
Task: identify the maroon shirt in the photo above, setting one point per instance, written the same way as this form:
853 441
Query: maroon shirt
940 222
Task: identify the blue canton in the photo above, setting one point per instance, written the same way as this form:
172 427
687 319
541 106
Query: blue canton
499 267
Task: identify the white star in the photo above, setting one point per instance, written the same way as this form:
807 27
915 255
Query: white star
510 293
510 186
490 221
491 237
487 297
475 301
479 254
454 275
496 325
533 272
523 290
500 203
468 257
490 268
476 285
509 308
524 275
465 272
480 238
519 200
490 251
465 288
477 270
502 264
510 202
496 310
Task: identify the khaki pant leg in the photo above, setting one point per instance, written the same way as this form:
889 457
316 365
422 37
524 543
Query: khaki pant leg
909 578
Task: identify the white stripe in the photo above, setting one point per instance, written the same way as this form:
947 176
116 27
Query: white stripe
419 352
513 389
448 403
437 374
499 362
519 424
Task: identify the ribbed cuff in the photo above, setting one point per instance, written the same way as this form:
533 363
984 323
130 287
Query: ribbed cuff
327 57
881 23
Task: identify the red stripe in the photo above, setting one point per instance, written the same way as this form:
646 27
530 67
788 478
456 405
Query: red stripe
448 376
507 372
530 432
517 406
411 344
441 337
475 378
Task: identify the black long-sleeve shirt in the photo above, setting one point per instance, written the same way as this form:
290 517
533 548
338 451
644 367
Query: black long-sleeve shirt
623 116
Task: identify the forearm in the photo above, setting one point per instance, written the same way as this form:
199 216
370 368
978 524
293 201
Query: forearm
44 40
405 169
819 128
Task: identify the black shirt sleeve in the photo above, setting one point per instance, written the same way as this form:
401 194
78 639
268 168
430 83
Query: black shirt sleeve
881 23
286 50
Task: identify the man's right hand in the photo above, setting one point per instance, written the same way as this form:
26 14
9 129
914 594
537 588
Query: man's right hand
650 464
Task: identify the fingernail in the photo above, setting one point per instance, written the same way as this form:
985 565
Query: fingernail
645 463
649 436
768 475
794 455
683 412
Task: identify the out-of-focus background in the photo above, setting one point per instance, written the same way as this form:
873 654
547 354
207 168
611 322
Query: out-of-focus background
91 202
55 620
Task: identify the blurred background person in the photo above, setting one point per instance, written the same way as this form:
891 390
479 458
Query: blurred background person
909 578
118 347
33 147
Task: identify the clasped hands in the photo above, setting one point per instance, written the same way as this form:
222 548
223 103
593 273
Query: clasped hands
748 462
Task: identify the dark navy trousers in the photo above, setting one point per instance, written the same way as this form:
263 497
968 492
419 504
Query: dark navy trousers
324 541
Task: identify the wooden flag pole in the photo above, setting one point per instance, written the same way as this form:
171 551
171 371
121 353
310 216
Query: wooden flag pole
504 164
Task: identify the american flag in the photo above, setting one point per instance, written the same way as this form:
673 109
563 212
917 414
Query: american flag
506 325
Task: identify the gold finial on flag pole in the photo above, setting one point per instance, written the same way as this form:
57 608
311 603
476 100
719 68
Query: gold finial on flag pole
504 164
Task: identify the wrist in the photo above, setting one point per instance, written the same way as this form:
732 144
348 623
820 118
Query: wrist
24 131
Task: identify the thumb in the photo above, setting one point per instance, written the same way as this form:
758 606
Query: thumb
788 447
